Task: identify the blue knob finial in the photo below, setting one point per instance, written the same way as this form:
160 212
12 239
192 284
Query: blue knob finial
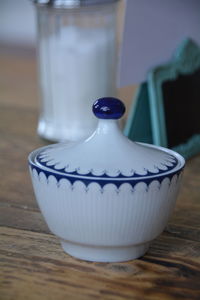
108 108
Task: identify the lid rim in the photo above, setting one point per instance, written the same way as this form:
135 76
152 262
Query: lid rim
93 178
177 167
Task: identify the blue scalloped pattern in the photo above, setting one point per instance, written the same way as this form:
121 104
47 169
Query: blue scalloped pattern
105 175
102 181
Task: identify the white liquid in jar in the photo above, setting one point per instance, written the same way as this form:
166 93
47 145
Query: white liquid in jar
77 66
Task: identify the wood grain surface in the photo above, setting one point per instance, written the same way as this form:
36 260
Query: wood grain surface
33 265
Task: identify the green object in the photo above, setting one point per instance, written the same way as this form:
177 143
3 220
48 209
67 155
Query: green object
138 125
167 107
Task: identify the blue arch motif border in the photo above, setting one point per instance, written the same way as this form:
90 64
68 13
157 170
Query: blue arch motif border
102 181
135 175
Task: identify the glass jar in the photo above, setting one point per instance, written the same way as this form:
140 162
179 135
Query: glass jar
77 58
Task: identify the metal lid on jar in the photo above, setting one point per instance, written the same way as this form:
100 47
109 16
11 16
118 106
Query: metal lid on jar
107 153
72 3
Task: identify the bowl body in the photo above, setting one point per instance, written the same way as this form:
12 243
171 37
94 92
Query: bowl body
102 219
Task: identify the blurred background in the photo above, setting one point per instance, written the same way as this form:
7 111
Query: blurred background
18 72
17 23
18 54
142 44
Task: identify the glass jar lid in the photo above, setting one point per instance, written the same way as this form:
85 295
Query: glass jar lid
72 3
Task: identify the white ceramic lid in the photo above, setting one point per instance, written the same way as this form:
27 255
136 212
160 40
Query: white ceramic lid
107 152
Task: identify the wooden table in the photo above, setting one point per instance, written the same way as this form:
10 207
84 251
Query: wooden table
33 265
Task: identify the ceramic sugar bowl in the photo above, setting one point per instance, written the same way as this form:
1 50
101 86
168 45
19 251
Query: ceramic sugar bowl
106 198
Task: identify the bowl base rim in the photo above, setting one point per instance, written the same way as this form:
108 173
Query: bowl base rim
104 254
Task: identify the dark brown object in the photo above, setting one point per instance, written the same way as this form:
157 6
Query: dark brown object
182 120
33 265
